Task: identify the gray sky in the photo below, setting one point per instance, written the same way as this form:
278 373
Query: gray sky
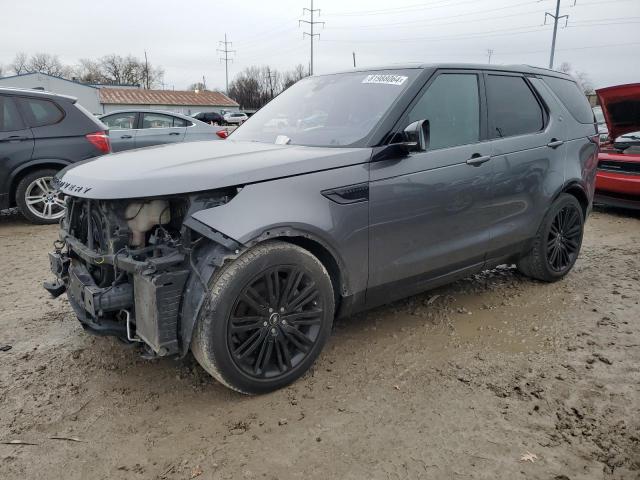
602 37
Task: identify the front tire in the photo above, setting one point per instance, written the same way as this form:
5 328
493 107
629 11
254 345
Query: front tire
38 202
557 243
268 316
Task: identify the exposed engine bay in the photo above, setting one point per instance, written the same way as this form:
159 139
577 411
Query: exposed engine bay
125 264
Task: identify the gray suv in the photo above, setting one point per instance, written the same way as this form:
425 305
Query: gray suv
41 133
371 186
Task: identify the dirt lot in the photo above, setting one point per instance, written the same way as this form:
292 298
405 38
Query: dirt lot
467 381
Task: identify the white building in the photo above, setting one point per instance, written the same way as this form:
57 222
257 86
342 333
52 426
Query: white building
99 99
87 95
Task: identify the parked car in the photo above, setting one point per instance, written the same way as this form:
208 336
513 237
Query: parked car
235 118
213 118
40 133
618 177
142 128
244 251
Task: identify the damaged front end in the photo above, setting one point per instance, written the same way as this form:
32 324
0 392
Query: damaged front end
126 266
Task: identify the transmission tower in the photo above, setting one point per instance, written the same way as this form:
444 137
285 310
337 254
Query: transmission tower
226 59
311 24
556 18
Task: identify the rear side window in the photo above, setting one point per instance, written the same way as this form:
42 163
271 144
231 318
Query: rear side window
572 97
9 117
451 104
41 112
156 120
513 108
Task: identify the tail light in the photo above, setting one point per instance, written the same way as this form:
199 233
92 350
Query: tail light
222 133
100 140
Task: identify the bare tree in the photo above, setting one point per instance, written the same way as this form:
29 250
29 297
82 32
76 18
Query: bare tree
583 79
118 70
197 86
47 63
255 86
19 65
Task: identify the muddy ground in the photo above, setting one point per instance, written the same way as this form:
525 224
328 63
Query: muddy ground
493 377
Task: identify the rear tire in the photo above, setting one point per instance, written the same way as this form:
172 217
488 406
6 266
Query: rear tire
557 243
269 314
37 201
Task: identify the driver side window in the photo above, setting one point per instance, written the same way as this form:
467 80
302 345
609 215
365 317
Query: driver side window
451 104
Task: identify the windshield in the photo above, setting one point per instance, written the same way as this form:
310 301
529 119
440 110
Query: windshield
327 111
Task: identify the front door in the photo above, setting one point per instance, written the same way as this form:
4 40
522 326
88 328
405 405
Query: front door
429 211
158 129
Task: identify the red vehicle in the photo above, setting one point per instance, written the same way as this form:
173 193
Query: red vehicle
618 176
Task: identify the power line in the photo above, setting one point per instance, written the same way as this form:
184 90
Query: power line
405 9
311 24
225 50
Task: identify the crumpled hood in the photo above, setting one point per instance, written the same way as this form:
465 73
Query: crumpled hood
621 108
197 166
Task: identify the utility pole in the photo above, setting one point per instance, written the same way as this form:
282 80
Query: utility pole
311 24
146 71
354 59
489 53
225 50
271 77
204 83
556 18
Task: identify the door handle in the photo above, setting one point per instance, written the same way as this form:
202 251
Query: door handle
14 139
174 133
476 159
126 136
554 143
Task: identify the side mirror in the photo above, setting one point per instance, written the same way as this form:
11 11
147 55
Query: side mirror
417 136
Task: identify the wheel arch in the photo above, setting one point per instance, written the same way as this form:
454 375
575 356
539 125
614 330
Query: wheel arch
27 168
574 188
219 249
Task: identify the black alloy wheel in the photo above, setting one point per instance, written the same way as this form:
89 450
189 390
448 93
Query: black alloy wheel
556 245
563 242
275 322
266 319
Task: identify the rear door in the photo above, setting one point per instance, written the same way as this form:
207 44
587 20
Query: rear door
527 150
159 128
429 211
122 130
16 142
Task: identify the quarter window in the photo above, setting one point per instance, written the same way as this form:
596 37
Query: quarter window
451 104
179 122
121 121
570 94
41 112
513 109
9 117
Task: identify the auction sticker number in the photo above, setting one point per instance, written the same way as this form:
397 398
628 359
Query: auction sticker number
385 79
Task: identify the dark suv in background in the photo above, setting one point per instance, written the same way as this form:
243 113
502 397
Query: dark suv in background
41 133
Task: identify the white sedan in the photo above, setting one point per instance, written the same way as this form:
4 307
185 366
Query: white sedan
235 118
